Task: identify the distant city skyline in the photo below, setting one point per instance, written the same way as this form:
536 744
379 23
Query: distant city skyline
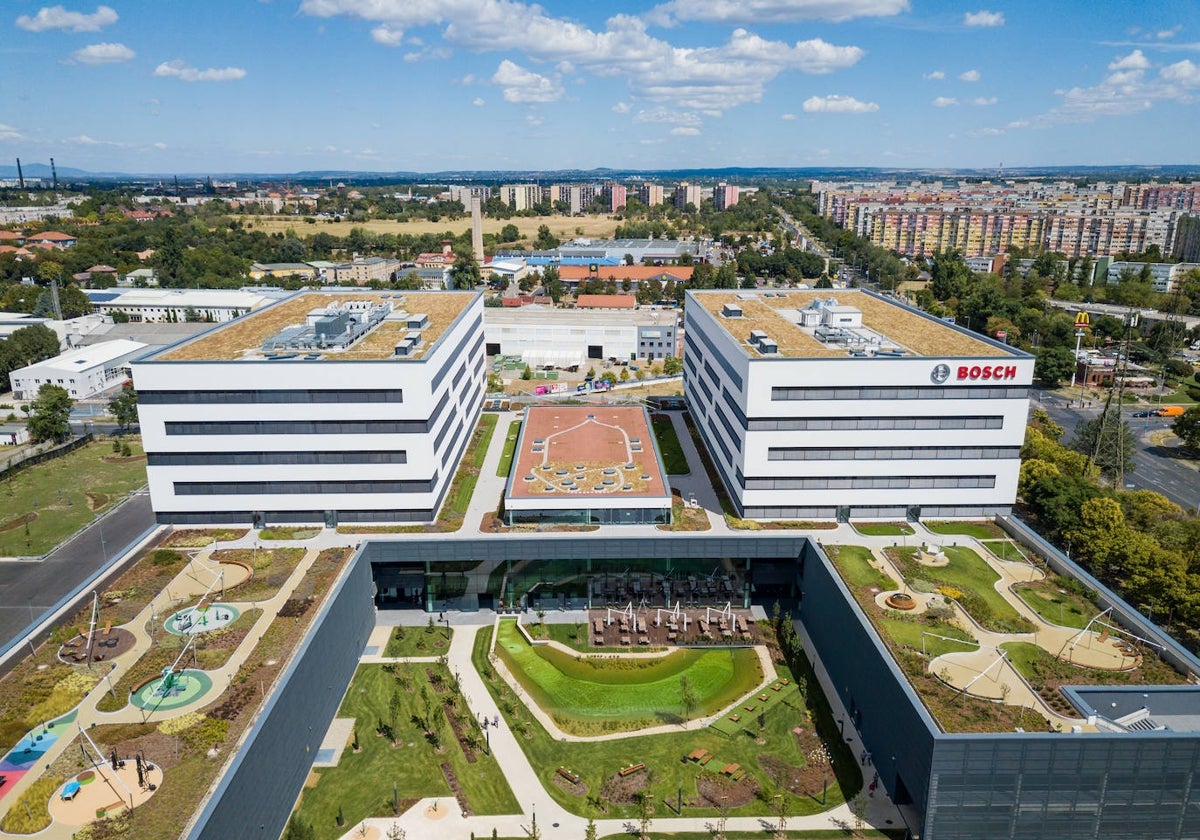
385 85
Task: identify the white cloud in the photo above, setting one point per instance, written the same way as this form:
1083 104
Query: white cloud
160 146
984 100
983 18
478 102
523 86
774 11
935 74
534 120
663 115
178 69
622 108
57 17
837 104
389 36
1136 60
708 78
1164 34
1183 72
787 117
944 102
7 132
985 132
685 131
970 76
85 140
103 54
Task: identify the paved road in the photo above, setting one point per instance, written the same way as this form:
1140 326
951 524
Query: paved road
29 589
1156 467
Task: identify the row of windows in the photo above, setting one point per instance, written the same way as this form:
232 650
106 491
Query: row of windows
299 395
733 435
897 453
280 488
871 482
309 427
719 357
931 392
825 424
252 459
734 407
460 350
720 441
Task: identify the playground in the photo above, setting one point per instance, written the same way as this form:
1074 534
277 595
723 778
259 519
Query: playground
202 618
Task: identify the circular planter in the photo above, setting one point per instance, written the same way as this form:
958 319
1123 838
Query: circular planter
901 601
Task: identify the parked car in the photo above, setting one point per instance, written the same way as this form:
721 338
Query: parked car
1151 413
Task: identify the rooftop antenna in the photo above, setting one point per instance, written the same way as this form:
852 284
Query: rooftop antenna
20 174
1108 449
54 173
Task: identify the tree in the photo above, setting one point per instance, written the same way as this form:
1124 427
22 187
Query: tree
510 233
395 704
590 832
297 830
687 696
1054 364
527 373
950 274
1116 451
645 812
1187 427
546 241
552 283
123 406
50 415
672 366
464 274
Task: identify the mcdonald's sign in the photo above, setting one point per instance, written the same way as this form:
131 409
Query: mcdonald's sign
1083 321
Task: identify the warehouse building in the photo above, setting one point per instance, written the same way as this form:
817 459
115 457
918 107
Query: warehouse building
358 406
855 407
207 305
82 372
574 337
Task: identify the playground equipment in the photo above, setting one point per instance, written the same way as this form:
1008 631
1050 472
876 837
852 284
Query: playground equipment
99 761
1108 628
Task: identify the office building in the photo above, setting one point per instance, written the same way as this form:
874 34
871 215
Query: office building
82 372
576 337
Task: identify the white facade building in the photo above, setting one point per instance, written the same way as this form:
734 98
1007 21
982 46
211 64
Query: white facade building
567 337
146 305
81 373
857 408
326 407
1163 276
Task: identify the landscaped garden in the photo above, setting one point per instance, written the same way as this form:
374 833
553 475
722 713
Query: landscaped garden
46 503
429 640
674 460
1058 601
272 567
780 748
510 448
412 729
883 529
978 530
590 695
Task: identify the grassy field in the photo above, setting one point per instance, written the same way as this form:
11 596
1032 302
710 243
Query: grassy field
911 633
593 695
564 227
1057 605
597 761
854 562
510 449
978 530
286 533
674 460
1005 550
975 581
360 785
418 641
883 529
46 503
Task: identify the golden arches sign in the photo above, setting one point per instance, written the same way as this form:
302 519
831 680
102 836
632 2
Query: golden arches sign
1083 321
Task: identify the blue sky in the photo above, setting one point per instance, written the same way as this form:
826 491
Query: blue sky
286 85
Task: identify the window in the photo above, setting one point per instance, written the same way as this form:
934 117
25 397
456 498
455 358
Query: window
872 482
897 453
360 395
995 392
816 424
189 459
257 488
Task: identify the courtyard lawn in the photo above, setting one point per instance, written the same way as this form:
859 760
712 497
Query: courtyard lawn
883 529
978 530
674 461
598 761
595 695
1005 550
418 641
975 581
912 634
854 563
46 503
360 785
1057 605
510 448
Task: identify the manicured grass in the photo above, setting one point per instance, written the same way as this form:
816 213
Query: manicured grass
361 784
458 499
593 695
674 461
910 633
285 533
418 641
65 493
1024 656
978 530
477 449
883 529
597 761
510 448
1005 550
1057 605
272 567
854 562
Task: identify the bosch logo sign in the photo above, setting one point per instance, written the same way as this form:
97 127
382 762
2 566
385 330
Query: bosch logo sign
987 372
940 374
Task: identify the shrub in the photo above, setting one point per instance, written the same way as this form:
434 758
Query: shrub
29 814
208 734
182 723
165 557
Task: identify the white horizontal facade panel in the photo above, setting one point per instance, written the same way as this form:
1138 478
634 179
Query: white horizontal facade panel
282 375
312 502
874 498
565 501
300 472
907 467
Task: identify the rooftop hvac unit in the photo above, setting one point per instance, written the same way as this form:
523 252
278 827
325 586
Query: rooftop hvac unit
731 310
417 322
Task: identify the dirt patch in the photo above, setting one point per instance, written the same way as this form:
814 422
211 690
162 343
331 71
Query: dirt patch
154 746
456 788
575 789
96 500
712 789
105 647
19 521
800 781
123 459
200 537
623 790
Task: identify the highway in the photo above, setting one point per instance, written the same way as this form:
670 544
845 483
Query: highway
1157 468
